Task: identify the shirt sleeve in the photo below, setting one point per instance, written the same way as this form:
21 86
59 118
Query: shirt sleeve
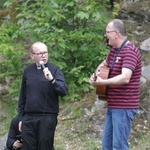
60 85
130 59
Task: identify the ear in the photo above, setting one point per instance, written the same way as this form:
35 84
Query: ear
31 55
117 34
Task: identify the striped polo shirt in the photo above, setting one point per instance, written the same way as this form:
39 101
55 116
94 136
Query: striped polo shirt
127 95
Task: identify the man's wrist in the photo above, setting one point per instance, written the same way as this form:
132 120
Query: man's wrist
52 81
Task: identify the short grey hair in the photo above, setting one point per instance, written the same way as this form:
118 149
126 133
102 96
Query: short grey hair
118 25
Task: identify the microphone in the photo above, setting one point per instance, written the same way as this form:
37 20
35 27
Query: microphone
42 64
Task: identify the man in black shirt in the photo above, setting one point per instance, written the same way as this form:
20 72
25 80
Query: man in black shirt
14 141
42 84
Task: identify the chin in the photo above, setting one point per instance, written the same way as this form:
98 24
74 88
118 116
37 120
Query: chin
45 61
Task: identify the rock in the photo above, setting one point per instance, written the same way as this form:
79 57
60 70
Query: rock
136 15
3 142
145 45
146 72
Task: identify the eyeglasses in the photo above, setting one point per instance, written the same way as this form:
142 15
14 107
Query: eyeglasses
41 54
110 31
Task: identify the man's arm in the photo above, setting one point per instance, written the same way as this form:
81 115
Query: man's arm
121 79
60 84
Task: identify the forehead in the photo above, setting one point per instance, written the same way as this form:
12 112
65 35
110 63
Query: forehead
39 47
109 26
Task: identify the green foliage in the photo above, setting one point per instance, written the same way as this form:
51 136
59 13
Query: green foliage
116 10
74 32
11 53
1 3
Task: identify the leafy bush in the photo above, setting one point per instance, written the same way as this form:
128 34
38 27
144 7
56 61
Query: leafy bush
11 53
73 30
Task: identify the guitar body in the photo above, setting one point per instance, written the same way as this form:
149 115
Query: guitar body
103 73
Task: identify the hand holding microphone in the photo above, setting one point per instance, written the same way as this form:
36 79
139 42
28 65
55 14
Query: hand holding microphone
47 73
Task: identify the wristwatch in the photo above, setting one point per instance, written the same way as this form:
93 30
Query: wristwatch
52 81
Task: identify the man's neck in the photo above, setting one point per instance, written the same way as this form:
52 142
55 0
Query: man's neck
120 42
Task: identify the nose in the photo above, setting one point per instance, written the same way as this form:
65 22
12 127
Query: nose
43 54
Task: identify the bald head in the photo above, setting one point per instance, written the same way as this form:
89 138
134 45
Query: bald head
36 46
119 26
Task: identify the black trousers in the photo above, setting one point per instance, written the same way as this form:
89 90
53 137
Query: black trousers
38 131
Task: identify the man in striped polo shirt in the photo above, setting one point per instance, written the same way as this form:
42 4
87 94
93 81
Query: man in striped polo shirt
123 91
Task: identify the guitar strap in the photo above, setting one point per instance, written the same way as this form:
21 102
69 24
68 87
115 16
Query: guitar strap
116 55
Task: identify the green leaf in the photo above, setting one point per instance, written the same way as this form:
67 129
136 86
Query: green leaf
82 15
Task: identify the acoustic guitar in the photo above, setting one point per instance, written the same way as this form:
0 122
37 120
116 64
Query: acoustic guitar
103 73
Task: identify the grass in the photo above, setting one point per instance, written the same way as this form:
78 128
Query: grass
143 143
75 129
72 130
69 138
